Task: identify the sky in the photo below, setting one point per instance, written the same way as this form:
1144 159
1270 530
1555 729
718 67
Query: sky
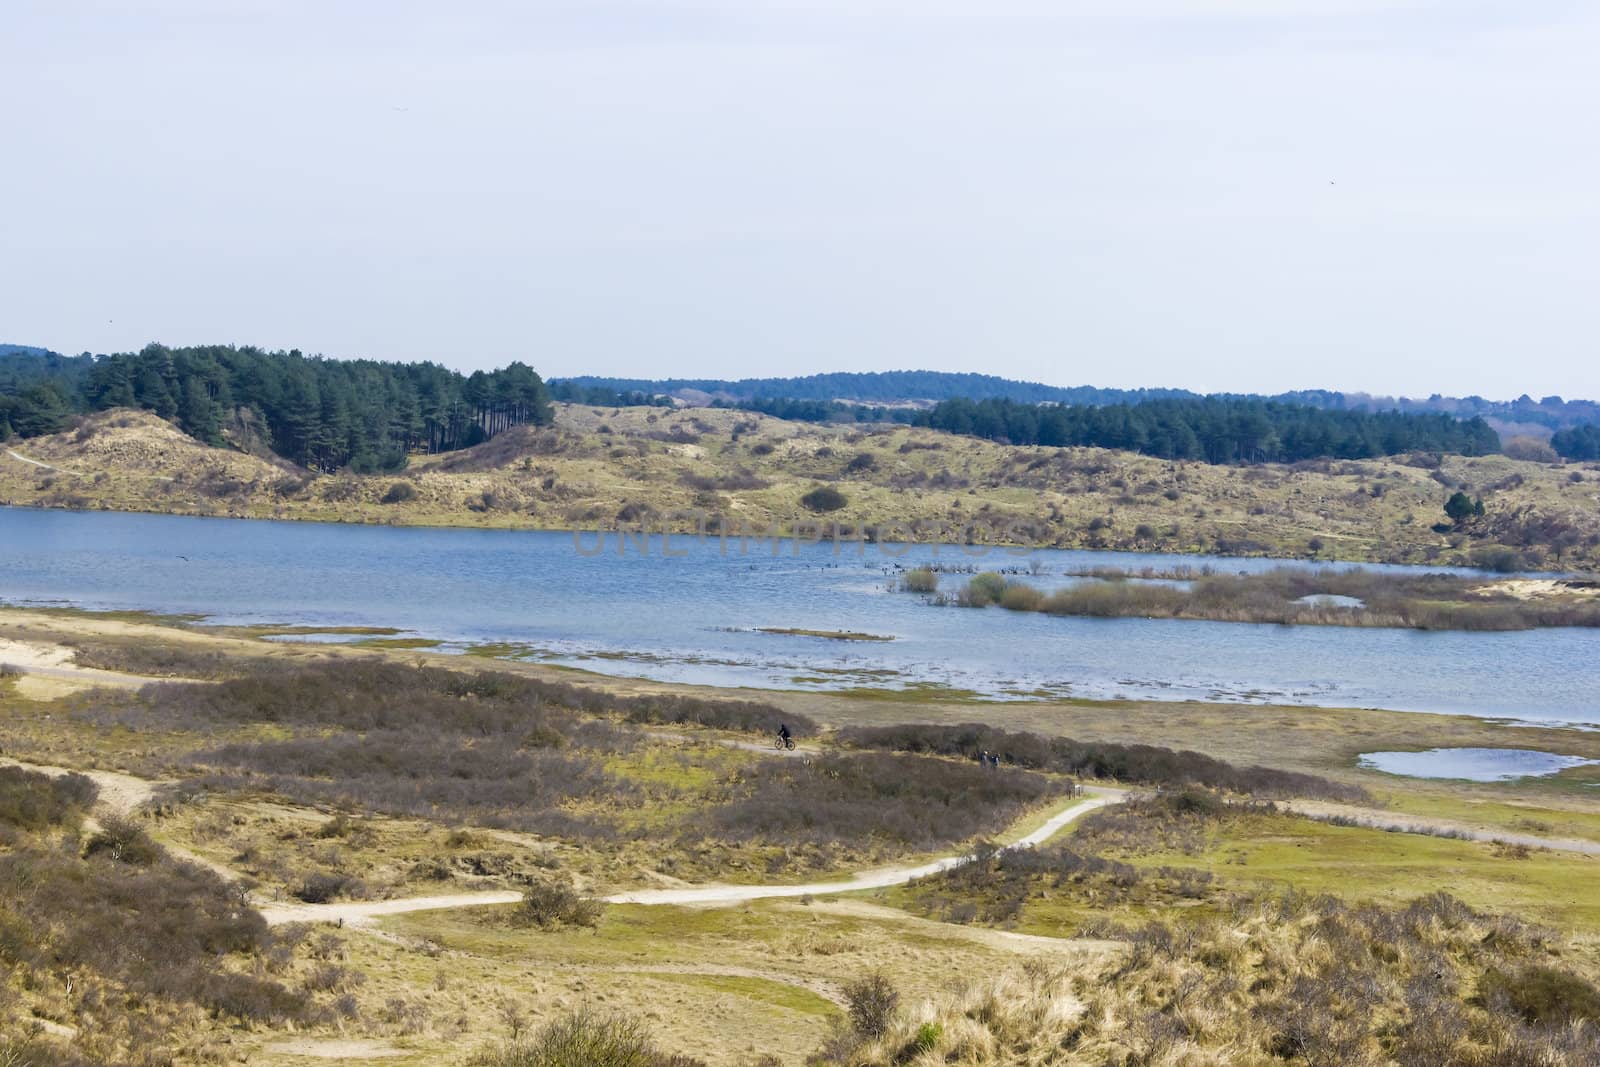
1392 196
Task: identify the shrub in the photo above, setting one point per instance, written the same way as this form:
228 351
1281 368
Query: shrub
33 801
921 580
123 841
1530 449
1130 763
1498 559
983 590
583 1039
862 463
823 499
1541 994
549 904
319 887
874 798
762 448
399 493
738 480
157 930
1018 597
871 1003
488 747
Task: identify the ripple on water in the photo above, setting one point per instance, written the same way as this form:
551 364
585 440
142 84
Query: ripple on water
1472 764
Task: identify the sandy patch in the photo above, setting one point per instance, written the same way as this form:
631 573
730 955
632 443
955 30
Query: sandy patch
33 657
1541 588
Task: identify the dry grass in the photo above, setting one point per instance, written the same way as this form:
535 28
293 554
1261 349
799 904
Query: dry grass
601 467
1309 981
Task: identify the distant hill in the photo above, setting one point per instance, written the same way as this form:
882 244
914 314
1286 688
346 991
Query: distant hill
23 350
877 387
925 388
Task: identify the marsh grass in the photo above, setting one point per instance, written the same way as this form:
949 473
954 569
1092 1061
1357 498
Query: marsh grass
1424 602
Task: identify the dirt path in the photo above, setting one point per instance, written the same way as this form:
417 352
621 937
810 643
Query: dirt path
766 748
119 794
55 661
122 794
36 463
1427 824
357 913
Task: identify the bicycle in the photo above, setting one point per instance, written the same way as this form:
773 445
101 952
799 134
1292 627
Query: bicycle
784 743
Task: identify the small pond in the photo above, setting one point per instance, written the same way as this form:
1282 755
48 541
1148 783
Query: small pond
1471 764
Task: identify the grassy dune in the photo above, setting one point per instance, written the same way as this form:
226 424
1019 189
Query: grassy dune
604 468
1195 928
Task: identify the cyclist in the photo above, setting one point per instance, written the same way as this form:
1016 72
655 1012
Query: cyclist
784 736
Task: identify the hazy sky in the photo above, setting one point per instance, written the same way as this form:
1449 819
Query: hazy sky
1217 194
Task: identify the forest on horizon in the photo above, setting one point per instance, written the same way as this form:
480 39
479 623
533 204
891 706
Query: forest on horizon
367 415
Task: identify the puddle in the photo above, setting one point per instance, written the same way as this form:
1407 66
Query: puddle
1331 600
1472 764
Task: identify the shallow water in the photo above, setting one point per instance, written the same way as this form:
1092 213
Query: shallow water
1472 764
696 617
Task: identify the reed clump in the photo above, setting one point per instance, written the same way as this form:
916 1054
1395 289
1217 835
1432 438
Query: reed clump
1291 597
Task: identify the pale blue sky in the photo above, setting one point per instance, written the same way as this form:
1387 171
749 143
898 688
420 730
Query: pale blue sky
1217 194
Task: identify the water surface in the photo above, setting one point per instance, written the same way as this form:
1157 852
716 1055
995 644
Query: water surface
1472 764
697 617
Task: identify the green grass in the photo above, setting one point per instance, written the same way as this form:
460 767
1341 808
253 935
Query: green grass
1523 818
676 768
1287 852
832 635
398 642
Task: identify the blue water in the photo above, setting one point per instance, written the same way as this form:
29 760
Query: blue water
1472 764
693 618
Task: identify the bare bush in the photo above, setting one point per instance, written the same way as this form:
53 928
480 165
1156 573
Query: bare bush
548 903
32 801
872 1003
584 1038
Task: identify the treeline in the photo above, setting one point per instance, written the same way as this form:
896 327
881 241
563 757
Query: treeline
323 414
1215 429
888 388
819 410
569 391
880 387
1579 443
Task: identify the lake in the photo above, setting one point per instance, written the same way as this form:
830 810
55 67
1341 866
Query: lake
698 617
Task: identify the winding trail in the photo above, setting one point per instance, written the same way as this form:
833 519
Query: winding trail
357 913
36 463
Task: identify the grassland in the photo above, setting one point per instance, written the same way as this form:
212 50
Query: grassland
613 468
730 985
